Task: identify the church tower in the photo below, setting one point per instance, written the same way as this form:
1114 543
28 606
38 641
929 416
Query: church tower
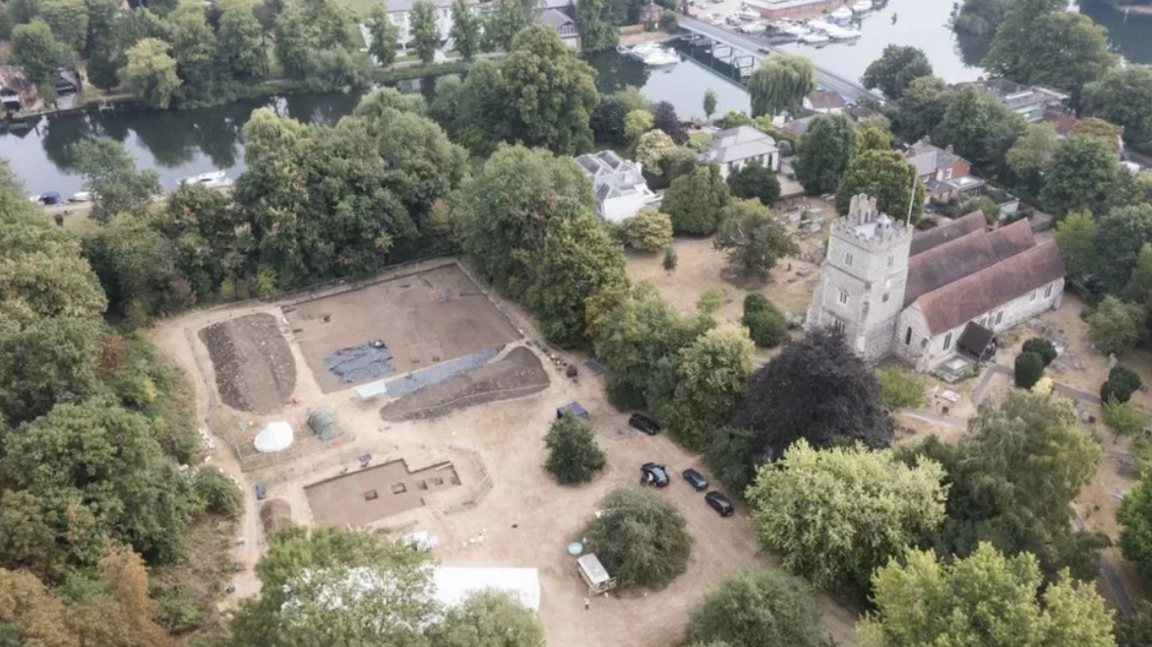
862 280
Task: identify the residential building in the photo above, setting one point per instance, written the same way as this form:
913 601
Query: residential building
928 297
735 147
825 102
16 91
798 126
564 25
1027 101
619 185
945 174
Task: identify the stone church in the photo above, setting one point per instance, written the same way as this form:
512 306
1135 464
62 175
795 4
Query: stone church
932 295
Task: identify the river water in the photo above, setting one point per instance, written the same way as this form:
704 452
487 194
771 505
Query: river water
179 144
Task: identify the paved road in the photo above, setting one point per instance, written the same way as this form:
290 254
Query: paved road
850 89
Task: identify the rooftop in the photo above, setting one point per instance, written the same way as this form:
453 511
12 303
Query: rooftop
826 100
965 255
611 175
928 159
1017 96
740 143
555 18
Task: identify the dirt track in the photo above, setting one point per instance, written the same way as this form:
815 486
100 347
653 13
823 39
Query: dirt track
254 368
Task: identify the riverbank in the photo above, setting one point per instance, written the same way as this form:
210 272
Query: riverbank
404 71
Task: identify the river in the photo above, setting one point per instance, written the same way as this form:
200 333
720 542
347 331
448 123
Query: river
179 144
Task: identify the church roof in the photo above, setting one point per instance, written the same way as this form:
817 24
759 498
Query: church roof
961 256
926 240
980 292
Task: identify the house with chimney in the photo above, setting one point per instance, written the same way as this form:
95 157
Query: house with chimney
944 173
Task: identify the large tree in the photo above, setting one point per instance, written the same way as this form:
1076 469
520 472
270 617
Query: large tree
1116 326
757 609
1120 233
1038 45
695 201
987 599
641 538
507 19
110 174
781 83
150 73
818 390
979 126
68 20
754 180
753 239
466 29
835 515
331 586
1124 97
1082 176
825 152
711 381
596 32
38 52
241 45
489 619
507 208
1012 480
887 176
194 48
383 34
49 361
1031 154
551 92
425 35
579 258
921 108
895 70
573 455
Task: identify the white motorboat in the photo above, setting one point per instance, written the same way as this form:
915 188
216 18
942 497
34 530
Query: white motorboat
836 32
814 39
747 14
752 28
211 180
820 26
842 14
797 31
652 55
862 6
82 196
717 19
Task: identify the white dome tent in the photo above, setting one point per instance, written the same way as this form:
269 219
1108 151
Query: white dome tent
275 437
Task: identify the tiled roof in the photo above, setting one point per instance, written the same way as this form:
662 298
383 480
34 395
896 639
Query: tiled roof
826 100
12 78
975 294
555 18
611 175
963 256
926 240
928 158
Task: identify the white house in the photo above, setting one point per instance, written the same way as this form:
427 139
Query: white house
619 184
735 147
931 296
564 25
400 12
825 102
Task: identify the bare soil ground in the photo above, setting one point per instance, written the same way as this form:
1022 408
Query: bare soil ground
424 318
361 497
252 362
517 374
525 519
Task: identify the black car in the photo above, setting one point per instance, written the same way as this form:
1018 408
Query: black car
720 503
695 479
644 423
653 474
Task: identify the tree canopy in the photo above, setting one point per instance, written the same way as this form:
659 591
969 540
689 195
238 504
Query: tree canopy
781 83
110 175
573 455
817 390
695 201
1124 96
887 176
828 147
757 609
753 238
834 515
640 538
895 70
1082 176
754 180
985 599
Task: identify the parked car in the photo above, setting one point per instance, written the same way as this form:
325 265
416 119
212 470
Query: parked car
720 503
260 492
653 474
644 423
695 479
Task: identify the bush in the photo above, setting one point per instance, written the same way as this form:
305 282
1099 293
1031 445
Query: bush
176 607
757 609
647 231
219 493
573 456
899 389
711 300
754 180
764 321
1041 347
1123 418
1115 326
1029 368
1121 384
727 454
640 538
